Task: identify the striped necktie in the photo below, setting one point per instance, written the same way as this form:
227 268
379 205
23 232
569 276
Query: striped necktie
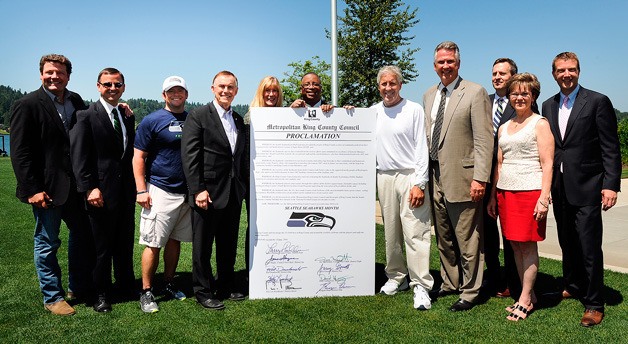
497 116
116 122
438 125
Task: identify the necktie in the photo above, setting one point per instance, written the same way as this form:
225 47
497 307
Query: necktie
563 117
438 125
116 122
497 116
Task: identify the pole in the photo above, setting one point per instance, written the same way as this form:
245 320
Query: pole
334 55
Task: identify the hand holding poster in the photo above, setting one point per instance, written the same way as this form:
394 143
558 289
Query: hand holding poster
312 202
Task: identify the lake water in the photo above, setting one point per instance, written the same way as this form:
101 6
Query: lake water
4 144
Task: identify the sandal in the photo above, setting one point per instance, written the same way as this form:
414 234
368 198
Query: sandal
512 307
520 312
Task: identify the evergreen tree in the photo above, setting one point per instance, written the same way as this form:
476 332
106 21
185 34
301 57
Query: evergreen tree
372 34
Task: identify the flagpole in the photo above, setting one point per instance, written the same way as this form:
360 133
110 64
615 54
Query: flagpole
334 55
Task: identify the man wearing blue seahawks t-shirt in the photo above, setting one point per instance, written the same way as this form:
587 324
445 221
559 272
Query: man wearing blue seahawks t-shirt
161 190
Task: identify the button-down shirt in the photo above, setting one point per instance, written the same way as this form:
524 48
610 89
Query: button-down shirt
109 108
65 108
228 124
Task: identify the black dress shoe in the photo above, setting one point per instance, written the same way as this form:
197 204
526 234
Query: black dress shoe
212 304
461 305
102 305
236 296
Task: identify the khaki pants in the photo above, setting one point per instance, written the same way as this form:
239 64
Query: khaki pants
405 225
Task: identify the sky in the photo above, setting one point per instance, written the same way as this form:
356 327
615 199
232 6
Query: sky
151 40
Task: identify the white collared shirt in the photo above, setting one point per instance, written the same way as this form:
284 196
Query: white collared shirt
109 108
228 124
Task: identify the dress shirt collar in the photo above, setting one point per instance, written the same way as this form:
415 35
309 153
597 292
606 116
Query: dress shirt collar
450 87
66 95
572 97
220 110
108 107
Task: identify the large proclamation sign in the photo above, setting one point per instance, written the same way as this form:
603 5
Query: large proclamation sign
312 203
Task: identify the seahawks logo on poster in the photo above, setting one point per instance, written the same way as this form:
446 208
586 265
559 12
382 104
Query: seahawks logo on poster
311 220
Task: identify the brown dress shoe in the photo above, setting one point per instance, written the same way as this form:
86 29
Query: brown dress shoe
566 294
60 308
591 317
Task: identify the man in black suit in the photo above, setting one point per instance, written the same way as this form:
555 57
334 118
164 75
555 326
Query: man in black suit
503 69
586 179
102 150
213 154
40 148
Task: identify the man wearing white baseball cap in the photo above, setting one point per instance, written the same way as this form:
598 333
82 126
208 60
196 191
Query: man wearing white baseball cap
161 190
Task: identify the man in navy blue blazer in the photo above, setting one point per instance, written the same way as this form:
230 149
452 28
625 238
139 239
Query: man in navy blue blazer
586 179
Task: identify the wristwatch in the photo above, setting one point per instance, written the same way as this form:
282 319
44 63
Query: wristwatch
421 186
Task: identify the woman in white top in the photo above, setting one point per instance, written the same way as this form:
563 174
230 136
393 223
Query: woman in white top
522 180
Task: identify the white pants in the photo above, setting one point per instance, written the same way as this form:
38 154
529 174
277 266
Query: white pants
405 225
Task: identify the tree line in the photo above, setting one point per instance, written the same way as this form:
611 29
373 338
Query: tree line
141 107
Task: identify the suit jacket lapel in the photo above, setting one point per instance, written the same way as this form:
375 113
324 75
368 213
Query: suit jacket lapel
552 118
104 121
51 110
217 122
578 105
454 100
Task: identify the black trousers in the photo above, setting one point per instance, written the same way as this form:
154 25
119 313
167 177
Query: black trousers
580 238
221 225
113 230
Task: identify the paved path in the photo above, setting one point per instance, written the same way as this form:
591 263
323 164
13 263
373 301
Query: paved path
615 241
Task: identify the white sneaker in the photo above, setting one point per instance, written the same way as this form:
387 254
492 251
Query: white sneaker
392 287
421 298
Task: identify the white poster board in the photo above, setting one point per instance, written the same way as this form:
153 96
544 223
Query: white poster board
312 203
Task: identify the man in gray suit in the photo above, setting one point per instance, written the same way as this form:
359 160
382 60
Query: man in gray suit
460 134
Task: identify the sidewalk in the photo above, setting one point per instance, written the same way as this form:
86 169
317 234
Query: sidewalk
615 236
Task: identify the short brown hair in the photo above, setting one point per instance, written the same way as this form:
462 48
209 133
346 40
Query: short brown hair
108 71
55 58
513 65
567 55
526 80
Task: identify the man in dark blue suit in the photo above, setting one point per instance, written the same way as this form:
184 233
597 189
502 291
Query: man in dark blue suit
102 151
213 155
40 154
586 179
503 69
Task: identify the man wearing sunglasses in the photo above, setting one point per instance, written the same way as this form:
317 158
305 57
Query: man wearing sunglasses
102 150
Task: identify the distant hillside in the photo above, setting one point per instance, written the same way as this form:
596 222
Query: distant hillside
141 107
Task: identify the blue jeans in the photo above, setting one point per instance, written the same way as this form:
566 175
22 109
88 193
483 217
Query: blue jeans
47 242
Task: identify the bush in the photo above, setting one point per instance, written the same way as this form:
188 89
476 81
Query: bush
622 131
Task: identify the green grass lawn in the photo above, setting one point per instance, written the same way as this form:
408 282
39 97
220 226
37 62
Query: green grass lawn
372 319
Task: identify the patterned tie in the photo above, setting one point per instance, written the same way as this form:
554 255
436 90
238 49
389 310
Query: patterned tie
438 125
563 117
497 116
116 122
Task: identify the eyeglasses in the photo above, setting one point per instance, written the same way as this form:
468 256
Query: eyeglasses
311 84
522 95
109 84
